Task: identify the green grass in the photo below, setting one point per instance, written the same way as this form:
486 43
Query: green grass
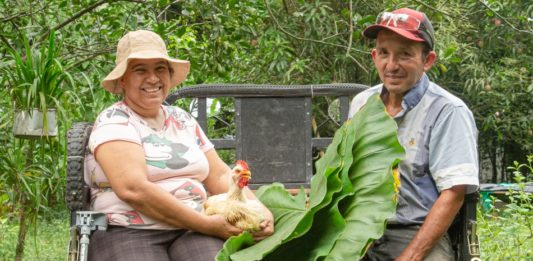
506 229
506 233
48 243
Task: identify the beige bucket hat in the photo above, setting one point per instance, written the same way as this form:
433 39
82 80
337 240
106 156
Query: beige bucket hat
142 44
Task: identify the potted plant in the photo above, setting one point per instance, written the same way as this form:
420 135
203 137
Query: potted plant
35 79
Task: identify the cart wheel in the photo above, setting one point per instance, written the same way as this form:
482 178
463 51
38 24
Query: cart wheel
77 191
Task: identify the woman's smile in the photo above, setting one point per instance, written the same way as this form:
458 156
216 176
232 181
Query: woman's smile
152 89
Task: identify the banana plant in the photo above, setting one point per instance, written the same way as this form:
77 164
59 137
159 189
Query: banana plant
353 193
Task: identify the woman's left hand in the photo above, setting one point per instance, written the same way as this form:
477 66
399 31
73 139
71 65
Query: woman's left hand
267 226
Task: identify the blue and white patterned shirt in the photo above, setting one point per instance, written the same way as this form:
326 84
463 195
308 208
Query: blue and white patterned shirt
439 135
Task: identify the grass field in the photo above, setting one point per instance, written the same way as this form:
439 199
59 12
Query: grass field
48 242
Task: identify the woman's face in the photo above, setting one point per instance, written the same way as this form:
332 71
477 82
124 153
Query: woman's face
146 83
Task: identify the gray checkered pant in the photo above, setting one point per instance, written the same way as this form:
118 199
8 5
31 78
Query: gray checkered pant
120 243
395 240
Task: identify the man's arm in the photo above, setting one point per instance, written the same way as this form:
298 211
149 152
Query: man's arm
436 224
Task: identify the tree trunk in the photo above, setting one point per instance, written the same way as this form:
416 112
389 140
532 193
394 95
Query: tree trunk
23 228
503 165
493 158
25 210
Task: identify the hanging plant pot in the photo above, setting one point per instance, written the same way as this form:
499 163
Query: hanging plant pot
33 125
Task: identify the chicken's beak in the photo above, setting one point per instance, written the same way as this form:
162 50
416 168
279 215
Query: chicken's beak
244 178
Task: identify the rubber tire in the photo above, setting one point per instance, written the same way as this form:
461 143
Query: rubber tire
77 191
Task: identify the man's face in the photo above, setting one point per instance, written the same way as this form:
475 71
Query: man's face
399 61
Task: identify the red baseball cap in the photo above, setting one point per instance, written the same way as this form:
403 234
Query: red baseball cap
411 24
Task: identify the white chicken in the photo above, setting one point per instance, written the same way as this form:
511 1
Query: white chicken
235 206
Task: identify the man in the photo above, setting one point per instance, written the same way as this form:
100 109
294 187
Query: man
437 131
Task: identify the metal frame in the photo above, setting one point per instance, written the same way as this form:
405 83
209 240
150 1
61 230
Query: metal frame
267 115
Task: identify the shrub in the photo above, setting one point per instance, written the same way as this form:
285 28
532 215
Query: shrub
506 233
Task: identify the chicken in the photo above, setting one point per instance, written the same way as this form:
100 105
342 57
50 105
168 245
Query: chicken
234 206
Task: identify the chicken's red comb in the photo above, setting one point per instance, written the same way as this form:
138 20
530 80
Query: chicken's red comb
243 164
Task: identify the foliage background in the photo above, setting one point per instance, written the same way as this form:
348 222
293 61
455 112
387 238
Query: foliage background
484 49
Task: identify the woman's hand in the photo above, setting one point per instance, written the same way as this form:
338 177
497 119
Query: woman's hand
218 226
267 226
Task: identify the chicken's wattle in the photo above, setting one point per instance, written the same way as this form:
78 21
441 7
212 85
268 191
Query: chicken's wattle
243 182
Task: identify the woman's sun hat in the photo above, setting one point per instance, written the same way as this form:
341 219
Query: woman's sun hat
143 44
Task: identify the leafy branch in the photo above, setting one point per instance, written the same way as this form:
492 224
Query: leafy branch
350 36
165 9
80 14
73 18
439 10
504 19
93 55
350 41
15 16
303 38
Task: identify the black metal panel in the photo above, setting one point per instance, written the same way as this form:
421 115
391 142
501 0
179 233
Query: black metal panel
202 113
321 143
275 138
272 126
285 184
344 107
223 143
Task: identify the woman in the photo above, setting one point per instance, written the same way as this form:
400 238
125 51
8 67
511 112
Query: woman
149 164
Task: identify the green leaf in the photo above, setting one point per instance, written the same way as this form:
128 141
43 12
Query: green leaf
442 67
376 150
233 244
455 60
366 20
351 197
318 241
449 51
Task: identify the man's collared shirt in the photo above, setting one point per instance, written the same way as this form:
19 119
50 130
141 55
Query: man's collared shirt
439 135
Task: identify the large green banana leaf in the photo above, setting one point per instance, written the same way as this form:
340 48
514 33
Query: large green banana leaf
351 197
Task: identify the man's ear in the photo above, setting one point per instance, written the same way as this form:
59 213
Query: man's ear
374 54
430 60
